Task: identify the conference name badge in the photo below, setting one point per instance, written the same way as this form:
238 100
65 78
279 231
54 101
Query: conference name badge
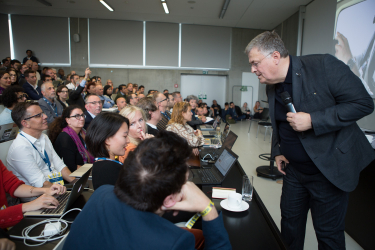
56 178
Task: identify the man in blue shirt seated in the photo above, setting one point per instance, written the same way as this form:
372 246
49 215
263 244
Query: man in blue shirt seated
152 180
233 114
11 96
108 103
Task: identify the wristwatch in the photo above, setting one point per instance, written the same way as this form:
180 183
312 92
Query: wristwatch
351 63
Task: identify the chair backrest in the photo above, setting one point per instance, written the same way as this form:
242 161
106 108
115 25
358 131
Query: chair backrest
265 115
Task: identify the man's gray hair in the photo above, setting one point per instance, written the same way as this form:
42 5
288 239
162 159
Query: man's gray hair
43 86
191 97
266 43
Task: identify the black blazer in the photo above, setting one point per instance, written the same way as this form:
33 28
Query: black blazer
68 151
152 131
88 120
31 92
75 98
335 98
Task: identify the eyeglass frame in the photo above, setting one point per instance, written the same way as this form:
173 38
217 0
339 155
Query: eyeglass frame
79 115
37 115
166 99
24 95
256 64
95 102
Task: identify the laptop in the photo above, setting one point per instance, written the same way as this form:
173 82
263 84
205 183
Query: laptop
217 173
210 127
66 200
216 142
214 153
8 132
82 170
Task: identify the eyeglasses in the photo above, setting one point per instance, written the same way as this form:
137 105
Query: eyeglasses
36 116
78 116
256 64
22 96
166 99
94 103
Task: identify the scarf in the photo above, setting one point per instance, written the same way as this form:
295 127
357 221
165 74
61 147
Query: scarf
86 156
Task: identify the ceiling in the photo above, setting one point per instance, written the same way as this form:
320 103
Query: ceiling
254 14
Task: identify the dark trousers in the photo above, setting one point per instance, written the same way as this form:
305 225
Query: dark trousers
328 205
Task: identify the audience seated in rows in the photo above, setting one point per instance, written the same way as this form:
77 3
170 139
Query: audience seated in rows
193 100
11 96
62 95
91 88
6 64
10 184
140 96
170 103
35 68
152 113
109 82
129 89
161 102
226 114
73 80
31 156
50 108
108 90
31 87
141 90
5 81
21 76
93 108
61 74
132 99
76 97
152 180
137 128
107 138
178 124
107 102
121 103
15 64
68 138
135 88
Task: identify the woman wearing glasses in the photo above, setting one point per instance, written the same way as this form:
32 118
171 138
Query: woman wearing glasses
68 138
62 95
13 76
11 96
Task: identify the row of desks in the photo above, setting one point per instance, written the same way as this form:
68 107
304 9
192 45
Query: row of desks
251 229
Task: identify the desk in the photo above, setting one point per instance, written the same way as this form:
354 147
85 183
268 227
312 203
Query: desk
27 221
252 229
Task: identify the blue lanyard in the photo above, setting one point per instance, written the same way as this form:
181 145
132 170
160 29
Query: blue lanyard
166 115
53 106
107 159
45 157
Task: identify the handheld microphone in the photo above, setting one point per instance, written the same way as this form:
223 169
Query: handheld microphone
288 102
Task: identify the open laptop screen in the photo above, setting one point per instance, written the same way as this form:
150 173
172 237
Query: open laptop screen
224 162
229 141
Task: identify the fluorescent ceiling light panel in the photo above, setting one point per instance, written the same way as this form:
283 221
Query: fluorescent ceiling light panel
165 7
106 5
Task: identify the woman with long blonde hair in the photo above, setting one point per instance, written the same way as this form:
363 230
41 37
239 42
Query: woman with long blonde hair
137 128
180 116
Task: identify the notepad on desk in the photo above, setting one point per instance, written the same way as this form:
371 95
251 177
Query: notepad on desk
221 193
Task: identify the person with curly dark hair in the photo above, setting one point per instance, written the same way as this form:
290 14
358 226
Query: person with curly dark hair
11 96
13 76
68 138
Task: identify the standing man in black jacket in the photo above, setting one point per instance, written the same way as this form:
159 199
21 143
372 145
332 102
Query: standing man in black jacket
76 97
320 149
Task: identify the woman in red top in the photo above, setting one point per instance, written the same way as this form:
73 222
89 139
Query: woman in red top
9 183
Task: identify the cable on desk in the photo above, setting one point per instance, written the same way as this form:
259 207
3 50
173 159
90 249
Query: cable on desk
41 238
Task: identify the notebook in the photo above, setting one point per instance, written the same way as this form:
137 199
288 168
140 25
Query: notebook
217 173
66 200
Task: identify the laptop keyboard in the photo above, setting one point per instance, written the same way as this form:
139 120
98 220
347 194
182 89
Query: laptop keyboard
213 133
62 199
207 176
215 141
